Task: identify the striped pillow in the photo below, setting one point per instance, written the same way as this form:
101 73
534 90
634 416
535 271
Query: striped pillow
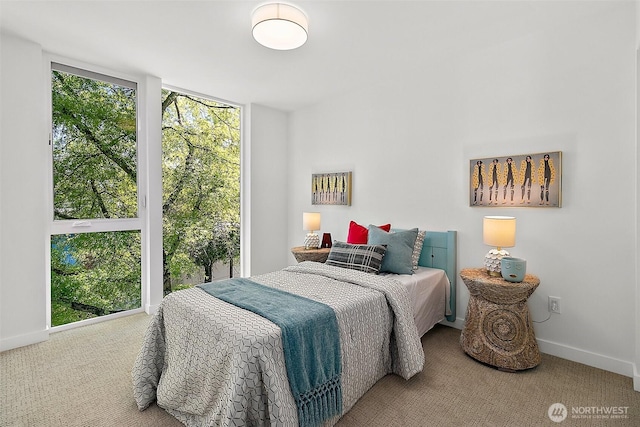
367 258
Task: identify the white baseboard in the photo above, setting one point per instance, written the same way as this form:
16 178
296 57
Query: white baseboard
588 358
622 367
22 340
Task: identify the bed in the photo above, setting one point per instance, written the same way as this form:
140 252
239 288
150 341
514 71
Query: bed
208 362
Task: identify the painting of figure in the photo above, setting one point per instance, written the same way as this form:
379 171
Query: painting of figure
331 188
514 180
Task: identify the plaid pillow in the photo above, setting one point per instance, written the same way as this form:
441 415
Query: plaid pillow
367 258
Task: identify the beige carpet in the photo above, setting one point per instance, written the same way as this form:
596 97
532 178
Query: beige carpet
82 377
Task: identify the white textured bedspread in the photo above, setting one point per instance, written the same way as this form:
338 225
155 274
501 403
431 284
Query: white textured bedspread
209 363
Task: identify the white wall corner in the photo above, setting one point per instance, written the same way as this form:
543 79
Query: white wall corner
458 324
151 309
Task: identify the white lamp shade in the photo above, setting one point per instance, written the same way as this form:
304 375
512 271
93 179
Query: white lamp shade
499 231
279 26
311 221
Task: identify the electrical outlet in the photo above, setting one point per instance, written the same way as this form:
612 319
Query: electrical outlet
554 305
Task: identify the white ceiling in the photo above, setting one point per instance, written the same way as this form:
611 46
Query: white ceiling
206 46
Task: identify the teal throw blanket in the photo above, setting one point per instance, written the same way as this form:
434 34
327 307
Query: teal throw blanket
310 340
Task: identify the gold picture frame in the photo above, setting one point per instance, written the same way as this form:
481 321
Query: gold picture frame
523 180
331 188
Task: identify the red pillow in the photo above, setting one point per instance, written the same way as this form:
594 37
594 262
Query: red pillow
358 234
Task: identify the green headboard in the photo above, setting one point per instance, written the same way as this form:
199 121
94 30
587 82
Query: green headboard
440 251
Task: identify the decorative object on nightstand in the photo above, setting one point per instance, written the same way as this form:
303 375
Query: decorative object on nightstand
499 231
513 269
311 222
498 329
317 255
326 240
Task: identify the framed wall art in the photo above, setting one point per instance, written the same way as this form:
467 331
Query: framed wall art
331 188
531 180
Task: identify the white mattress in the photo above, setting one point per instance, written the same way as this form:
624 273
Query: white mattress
430 292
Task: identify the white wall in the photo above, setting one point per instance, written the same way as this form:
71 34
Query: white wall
636 377
268 198
409 142
23 195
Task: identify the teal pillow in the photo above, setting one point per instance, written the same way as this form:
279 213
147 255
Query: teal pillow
398 258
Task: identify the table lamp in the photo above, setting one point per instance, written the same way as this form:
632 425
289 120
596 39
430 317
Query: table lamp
311 222
498 231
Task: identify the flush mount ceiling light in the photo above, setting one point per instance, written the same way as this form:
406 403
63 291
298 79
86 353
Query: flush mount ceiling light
279 26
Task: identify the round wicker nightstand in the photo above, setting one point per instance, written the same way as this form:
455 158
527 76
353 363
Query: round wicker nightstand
317 255
498 329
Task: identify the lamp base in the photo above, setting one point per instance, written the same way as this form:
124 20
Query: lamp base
493 261
311 241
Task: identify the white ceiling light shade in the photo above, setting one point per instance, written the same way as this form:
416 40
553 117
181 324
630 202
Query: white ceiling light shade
279 26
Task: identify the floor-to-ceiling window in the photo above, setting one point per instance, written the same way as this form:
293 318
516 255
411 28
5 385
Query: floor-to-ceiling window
95 240
201 189
98 205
